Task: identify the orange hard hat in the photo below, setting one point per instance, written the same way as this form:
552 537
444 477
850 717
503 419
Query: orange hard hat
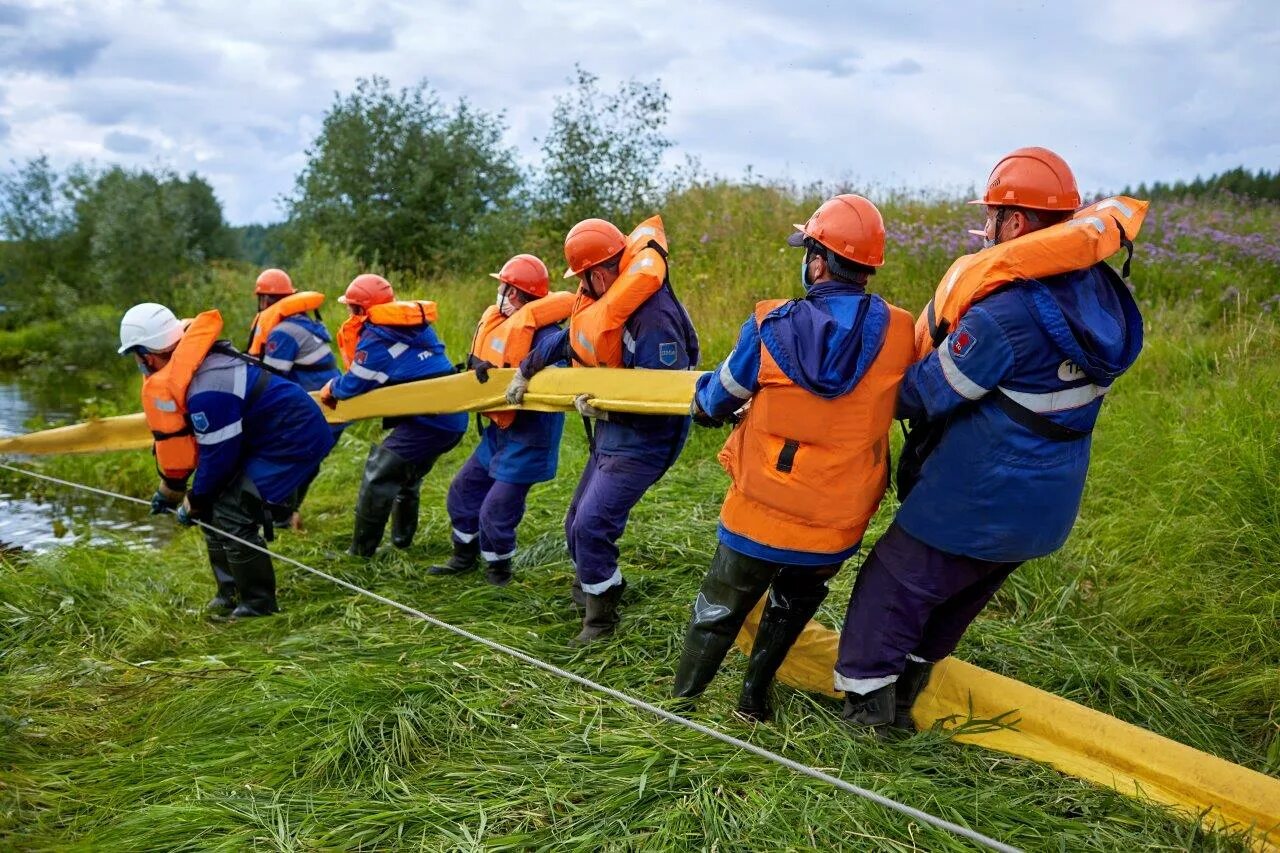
848 225
591 242
1034 178
367 290
526 273
273 282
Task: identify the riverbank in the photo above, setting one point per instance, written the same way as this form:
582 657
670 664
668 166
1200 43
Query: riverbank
131 719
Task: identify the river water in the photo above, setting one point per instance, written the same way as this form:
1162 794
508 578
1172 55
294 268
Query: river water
36 516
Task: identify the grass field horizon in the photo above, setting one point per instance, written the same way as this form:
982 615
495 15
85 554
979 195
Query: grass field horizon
130 720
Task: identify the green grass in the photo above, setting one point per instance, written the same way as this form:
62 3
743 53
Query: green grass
130 720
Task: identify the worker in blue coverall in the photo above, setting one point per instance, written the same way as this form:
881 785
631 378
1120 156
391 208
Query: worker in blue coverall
629 452
487 497
259 438
299 348
1011 397
383 353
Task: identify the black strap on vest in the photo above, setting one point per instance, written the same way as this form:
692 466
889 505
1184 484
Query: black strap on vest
1036 422
787 456
1128 246
937 331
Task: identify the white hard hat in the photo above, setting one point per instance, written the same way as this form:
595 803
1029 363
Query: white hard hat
150 326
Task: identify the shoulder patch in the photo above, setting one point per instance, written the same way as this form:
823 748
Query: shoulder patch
199 421
272 345
667 353
361 355
961 343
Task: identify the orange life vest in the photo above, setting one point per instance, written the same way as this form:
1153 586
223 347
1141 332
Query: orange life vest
416 312
266 321
164 397
1093 234
505 341
596 325
808 473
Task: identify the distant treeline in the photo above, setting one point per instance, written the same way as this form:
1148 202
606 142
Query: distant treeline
1238 181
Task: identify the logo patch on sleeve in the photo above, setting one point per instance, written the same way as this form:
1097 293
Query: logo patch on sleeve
961 343
667 353
199 421
272 345
360 356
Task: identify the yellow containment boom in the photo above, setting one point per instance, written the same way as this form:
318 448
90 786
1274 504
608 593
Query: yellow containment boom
1030 722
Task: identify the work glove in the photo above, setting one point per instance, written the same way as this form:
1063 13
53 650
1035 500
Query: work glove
185 516
164 500
516 390
326 396
701 418
582 403
482 371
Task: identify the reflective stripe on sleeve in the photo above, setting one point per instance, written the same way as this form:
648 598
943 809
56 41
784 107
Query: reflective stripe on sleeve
365 373
397 350
220 435
277 363
729 383
963 385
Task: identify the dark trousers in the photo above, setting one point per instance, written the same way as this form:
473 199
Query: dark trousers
481 506
608 490
239 510
911 599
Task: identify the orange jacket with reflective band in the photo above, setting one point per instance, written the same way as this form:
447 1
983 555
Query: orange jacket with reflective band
1093 234
266 321
417 312
505 341
164 397
808 472
596 325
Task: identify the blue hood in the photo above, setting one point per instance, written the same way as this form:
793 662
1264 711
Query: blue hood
417 337
1093 319
826 342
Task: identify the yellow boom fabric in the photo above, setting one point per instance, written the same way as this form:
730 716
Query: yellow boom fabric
1031 723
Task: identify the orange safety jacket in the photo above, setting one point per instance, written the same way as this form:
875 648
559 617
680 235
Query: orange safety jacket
505 341
417 312
808 473
596 325
164 398
1093 234
266 321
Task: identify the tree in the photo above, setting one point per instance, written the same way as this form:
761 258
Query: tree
603 154
399 179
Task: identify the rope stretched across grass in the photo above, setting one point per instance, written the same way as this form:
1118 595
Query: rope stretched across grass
661 713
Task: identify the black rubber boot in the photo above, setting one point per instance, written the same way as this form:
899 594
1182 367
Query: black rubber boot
256 581
783 620
732 586
872 711
910 684
404 517
601 618
225 599
465 555
578 594
384 476
498 572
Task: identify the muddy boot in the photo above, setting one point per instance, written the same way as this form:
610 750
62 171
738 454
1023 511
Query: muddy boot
404 518
781 624
465 555
384 473
601 618
224 600
871 712
576 592
910 684
498 572
732 586
256 581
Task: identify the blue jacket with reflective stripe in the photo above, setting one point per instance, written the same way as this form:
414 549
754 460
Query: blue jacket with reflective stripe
393 355
993 489
278 440
299 347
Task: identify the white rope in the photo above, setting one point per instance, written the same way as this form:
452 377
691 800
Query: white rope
803 769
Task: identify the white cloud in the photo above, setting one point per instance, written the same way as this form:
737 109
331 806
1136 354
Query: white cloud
887 95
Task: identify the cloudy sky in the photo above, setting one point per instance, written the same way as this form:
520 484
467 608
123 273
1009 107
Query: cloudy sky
885 95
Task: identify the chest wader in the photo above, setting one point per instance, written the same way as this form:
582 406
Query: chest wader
390 488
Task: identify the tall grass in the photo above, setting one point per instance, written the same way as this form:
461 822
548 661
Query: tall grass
130 720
